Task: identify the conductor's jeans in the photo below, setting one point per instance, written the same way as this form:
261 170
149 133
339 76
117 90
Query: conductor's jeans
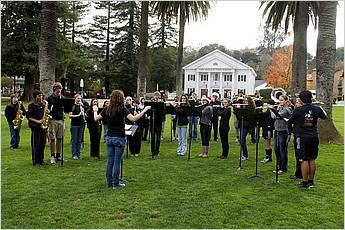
244 133
205 132
215 128
224 138
281 148
156 131
115 147
38 142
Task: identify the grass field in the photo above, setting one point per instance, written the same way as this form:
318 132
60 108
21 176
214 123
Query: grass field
169 192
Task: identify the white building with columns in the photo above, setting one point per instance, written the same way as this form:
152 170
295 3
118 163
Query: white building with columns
218 72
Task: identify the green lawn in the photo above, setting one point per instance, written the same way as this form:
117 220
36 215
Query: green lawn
169 192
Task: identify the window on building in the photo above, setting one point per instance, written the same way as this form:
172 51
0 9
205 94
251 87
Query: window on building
242 78
243 91
191 77
203 77
227 77
191 90
216 77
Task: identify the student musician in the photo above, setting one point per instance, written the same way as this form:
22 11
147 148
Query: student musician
95 130
225 114
182 123
267 132
247 125
36 110
77 116
281 132
205 126
14 112
305 120
216 104
56 130
116 113
173 118
194 118
134 142
156 121
146 120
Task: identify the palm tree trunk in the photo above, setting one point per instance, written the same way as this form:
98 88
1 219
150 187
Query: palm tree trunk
143 68
47 47
299 56
179 80
325 68
106 77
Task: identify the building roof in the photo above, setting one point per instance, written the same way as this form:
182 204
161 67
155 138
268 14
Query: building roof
220 60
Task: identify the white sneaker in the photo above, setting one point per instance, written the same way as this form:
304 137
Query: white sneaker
75 158
52 160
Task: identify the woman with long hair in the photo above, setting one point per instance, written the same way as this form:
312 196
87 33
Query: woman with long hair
116 113
182 123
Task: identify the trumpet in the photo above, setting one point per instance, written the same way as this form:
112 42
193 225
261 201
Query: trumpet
17 122
46 116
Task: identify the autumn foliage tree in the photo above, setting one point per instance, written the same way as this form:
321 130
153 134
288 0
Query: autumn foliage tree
278 73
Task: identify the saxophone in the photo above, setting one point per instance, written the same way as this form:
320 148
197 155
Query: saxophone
46 116
17 122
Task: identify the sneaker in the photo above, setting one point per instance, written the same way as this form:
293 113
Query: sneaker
200 155
304 184
136 155
204 156
119 185
266 160
75 158
293 177
237 140
52 160
279 171
223 157
58 158
243 158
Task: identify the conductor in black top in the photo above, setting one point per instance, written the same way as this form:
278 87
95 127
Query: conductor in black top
225 114
215 103
305 120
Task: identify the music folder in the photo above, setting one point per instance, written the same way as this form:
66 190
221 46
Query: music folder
130 129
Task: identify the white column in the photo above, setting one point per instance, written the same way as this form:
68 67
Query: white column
209 84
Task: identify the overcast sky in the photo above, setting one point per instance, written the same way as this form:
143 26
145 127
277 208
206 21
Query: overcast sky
235 24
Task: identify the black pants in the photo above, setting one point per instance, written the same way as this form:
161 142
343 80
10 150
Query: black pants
215 128
145 129
298 171
95 139
134 142
224 138
156 131
38 142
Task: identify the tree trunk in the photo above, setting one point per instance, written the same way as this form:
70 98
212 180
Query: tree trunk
47 47
163 30
28 87
299 56
179 80
143 68
106 77
325 68
73 22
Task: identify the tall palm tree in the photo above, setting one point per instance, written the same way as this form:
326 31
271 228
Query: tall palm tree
143 68
299 12
47 46
325 67
185 10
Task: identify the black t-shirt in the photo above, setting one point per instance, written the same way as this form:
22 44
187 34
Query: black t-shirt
305 119
225 114
55 104
77 121
116 123
36 111
11 112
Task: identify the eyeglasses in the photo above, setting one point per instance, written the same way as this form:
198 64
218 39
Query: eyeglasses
183 98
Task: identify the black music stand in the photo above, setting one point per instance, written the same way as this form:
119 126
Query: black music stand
129 131
67 104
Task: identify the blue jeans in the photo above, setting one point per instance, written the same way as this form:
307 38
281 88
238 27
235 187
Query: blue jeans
15 136
115 147
182 140
105 130
193 121
76 139
244 133
281 149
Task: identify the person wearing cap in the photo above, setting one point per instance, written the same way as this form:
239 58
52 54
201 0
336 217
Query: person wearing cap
10 114
35 115
216 104
56 125
205 126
